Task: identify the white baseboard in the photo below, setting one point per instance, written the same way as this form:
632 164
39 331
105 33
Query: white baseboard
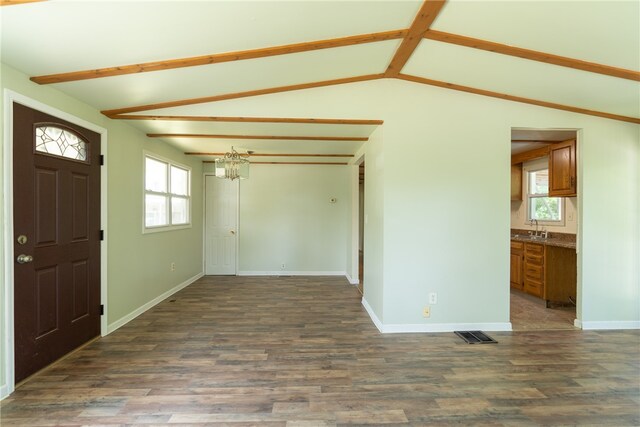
4 391
433 327
352 281
607 325
137 312
445 327
291 273
372 315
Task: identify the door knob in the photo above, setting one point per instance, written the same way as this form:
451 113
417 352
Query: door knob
232 231
23 259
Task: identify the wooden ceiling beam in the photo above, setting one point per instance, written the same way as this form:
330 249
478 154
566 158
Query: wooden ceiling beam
423 20
270 137
272 155
530 155
523 100
290 163
532 55
219 58
14 2
250 119
236 95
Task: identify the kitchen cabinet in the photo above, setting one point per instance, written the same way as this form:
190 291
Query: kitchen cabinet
516 182
517 257
562 169
544 270
563 181
560 274
534 269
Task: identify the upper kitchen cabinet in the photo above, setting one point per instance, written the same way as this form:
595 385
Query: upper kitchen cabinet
562 169
516 182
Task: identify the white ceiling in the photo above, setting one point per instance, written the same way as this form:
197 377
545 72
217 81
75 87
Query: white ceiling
65 36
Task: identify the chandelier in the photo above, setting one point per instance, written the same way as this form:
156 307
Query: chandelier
232 166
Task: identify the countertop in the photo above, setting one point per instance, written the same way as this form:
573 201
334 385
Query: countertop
551 241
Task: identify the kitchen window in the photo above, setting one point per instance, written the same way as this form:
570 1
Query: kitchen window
167 195
541 207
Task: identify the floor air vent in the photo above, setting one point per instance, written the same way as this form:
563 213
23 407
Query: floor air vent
475 337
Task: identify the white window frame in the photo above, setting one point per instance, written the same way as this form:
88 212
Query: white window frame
529 196
169 226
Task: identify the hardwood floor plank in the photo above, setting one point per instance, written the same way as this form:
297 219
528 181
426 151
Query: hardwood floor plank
301 351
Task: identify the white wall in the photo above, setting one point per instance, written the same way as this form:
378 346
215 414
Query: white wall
444 151
519 208
286 217
374 224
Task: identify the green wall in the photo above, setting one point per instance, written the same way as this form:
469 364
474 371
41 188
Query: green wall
286 217
445 173
138 264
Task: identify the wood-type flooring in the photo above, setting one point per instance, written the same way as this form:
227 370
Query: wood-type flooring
303 352
531 313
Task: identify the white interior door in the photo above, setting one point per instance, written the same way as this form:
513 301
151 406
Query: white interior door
221 225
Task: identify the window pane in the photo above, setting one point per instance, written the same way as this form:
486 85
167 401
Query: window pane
59 142
155 210
545 208
179 181
155 176
179 210
539 182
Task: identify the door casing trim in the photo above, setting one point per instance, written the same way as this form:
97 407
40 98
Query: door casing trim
8 334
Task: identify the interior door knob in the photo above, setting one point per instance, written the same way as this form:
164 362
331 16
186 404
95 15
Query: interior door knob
23 259
232 231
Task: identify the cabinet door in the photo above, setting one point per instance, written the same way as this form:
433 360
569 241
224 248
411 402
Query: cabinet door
562 169
516 182
516 270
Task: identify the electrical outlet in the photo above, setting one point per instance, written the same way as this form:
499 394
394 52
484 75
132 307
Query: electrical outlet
282 267
172 267
433 298
426 311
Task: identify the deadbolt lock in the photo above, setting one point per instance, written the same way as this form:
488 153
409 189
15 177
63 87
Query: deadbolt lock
22 239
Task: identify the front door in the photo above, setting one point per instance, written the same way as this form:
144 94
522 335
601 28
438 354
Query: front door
221 220
56 193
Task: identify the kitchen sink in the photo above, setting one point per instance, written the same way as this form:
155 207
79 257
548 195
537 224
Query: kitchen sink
527 237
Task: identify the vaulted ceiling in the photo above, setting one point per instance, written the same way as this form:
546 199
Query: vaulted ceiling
161 64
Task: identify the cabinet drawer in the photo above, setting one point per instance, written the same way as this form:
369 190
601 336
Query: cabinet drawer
534 259
533 272
533 287
534 249
517 246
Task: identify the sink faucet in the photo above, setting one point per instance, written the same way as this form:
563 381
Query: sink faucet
535 221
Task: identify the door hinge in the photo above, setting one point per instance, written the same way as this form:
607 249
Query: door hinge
101 234
101 309
101 159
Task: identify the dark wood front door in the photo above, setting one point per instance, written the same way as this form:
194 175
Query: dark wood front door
56 193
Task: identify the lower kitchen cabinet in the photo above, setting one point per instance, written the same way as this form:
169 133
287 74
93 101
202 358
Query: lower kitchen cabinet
534 269
561 274
517 257
545 271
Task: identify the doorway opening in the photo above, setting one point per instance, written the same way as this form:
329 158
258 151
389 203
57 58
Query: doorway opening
544 229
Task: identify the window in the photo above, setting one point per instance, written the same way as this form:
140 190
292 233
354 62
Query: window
540 206
167 199
55 141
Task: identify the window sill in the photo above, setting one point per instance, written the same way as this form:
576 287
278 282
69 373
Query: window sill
160 229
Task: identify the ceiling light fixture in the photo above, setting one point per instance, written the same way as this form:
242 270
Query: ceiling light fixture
232 166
